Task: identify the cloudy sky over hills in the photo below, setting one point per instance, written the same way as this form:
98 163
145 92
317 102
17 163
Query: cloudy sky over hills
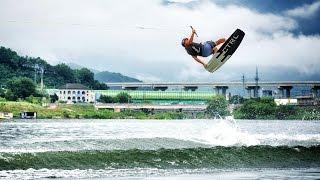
142 38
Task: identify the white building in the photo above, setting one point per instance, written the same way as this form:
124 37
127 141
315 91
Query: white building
6 115
286 101
73 93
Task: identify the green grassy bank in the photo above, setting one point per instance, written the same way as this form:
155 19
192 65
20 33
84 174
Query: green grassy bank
250 109
81 111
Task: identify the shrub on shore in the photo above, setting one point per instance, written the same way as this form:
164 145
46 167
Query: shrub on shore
265 108
218 105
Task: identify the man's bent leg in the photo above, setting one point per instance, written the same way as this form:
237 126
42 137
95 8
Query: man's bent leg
215 49
220 41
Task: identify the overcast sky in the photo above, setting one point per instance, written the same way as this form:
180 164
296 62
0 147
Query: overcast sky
141 38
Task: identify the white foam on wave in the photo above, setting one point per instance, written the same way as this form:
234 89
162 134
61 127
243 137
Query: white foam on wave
280 139
154 134
226 133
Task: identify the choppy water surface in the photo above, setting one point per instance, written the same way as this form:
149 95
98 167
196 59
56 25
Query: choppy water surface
157 149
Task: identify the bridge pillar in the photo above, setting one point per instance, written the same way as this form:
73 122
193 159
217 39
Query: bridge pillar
281 91
315 91
130 87
254 89
192 88
249 91
161 88
223 90
285 91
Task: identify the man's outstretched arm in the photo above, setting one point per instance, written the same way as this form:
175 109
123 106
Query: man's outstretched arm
199 61
191 37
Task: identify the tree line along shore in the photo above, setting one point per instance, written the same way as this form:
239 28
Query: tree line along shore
262 108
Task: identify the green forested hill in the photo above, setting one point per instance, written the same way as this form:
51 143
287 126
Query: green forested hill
13 66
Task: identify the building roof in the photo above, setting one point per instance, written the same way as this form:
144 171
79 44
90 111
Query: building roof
74 86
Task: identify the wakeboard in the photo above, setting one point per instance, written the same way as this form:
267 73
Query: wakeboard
226 51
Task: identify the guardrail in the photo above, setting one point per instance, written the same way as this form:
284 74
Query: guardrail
150 106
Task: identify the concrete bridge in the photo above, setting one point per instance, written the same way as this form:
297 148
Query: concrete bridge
211 84
221 87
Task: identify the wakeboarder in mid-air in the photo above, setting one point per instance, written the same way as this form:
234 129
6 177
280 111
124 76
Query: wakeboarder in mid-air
197 50
220 56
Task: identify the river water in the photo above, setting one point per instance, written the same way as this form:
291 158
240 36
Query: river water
159 149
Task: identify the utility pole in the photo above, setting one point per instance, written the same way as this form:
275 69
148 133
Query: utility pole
35 73
243 85
256 88
41 85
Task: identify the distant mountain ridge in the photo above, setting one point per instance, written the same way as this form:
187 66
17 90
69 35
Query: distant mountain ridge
106 76
77 66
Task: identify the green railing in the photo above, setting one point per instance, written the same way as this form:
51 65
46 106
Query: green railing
156 95
161 95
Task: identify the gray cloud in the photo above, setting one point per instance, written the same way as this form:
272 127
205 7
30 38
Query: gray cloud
305 11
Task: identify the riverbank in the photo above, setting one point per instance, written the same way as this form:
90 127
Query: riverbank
81 111
249 110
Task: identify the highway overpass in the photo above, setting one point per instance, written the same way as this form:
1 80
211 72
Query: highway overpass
221 87
213 84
